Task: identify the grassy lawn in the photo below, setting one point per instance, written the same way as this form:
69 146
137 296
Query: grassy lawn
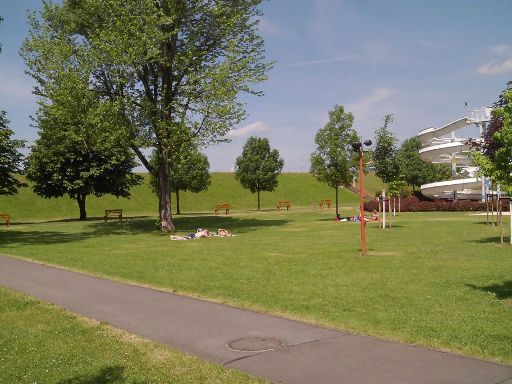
42 344
436 279
299 188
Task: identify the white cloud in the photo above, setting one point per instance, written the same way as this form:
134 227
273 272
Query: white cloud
369 102
502 49
247 130
496 68
501 64
317 62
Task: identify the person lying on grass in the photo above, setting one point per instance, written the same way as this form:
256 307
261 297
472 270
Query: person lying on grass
352 218
199 234
202 233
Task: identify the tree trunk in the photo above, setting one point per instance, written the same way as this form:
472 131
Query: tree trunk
81 205
178 202
164 194
258 200
165 131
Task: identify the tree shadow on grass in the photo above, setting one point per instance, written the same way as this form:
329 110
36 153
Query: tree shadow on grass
486 240
106 375
76 220
233 224
502 291
41 237
132 226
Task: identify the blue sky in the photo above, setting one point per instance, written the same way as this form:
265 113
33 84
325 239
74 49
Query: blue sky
420 60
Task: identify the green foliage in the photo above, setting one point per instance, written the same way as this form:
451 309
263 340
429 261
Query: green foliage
395 187
78 152
384 155
334 162
10 158
416 171
258 166
496 160
189 170
175 69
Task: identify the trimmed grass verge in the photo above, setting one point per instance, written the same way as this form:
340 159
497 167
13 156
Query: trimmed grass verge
436 279
40 343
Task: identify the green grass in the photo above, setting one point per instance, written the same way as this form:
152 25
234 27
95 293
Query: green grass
436 279
300 188
40 343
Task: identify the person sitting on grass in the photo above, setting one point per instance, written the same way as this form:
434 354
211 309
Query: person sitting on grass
223 233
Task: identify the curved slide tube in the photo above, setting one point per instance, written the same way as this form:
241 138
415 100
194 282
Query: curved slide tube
470 188
427 135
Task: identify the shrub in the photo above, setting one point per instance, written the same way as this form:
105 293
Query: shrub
416 204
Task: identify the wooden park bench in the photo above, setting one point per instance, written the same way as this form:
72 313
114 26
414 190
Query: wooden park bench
221 206
6 217
113 213
283 204
327 202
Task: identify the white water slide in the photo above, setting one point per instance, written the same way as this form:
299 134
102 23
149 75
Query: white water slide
441 146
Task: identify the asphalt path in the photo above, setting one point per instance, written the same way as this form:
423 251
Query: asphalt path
278 349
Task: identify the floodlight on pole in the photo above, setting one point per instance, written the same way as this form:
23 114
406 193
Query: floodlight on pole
358 147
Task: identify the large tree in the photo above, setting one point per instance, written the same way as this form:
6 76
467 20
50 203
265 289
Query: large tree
174 68
334 162
189 172
258 166
78 152
10 158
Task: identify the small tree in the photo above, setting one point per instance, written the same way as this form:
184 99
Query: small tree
416 171
334 162
258 166
189 172
385 153
496 159
77 152
10 159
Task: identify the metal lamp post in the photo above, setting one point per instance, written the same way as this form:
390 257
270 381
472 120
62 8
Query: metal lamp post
358 147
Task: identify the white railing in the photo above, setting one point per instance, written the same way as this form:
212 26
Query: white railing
479 115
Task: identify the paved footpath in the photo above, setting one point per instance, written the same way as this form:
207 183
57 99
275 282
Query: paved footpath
233 337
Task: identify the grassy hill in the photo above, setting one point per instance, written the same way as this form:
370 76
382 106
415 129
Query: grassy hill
299 188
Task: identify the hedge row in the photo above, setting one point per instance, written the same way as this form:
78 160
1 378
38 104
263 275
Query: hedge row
415 204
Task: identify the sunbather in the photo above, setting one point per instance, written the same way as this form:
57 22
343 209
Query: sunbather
200 233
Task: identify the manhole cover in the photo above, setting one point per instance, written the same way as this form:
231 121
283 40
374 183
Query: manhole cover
255 344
